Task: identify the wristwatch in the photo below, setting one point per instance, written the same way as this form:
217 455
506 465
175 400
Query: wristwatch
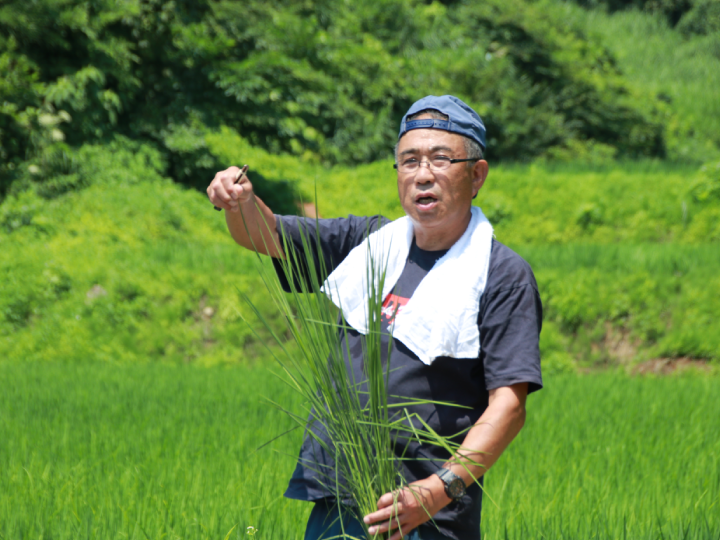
454 485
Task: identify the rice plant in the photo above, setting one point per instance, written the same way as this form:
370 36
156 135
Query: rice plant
363 427
158 450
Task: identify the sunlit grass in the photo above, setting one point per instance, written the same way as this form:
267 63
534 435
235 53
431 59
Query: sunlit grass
97 450
150 451
148 270
612 457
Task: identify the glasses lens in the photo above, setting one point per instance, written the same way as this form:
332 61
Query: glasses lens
440 163
408 165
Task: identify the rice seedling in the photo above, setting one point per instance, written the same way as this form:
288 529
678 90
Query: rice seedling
351 418
159 450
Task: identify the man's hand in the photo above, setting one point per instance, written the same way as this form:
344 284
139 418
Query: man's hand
250 222
224 193
408 508
483 444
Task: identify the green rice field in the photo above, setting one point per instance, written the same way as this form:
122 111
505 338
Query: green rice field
150 451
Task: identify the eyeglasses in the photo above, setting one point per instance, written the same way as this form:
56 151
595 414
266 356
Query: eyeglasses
437 163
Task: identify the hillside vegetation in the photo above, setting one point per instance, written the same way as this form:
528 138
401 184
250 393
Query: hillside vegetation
680 66
599 118
135 267
325 80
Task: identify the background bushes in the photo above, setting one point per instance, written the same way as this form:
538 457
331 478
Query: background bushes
325 81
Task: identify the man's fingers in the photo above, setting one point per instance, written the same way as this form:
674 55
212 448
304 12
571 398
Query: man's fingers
215 197
385 512
389 525
386 500
219 196
225 193
238 192
389 517
400 512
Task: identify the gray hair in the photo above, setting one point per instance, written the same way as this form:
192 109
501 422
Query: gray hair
472 148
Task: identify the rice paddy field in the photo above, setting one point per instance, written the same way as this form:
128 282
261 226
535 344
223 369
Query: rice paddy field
150 451
133 402
134 383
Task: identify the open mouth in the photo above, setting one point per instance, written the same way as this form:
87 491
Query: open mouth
425 199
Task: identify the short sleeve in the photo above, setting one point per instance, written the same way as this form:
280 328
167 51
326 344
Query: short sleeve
510 321
315 247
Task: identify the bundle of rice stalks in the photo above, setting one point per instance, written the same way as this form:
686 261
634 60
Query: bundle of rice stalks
362 429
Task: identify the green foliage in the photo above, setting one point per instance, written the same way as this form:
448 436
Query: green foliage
682 70
108 218
706 189
702 19
132 267
601 205
122 271
610 305
608 457
690 16
321 80
147 451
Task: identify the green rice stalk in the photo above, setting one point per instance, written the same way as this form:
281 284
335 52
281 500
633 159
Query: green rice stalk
361 424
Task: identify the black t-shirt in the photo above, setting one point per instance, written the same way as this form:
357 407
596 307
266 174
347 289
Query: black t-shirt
509 320
419 263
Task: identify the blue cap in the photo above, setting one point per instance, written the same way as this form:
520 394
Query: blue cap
461 118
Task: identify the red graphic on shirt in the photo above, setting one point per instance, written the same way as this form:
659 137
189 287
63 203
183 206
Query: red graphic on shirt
393 305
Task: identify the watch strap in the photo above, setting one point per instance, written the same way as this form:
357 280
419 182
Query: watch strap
454 485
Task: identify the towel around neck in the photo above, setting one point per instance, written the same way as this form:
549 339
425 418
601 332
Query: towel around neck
441 317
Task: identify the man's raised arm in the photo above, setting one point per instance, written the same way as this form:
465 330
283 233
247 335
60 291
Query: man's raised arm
250 222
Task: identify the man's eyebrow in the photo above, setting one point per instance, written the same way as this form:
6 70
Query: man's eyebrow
432 150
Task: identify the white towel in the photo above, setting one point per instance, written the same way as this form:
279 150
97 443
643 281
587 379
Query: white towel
441 317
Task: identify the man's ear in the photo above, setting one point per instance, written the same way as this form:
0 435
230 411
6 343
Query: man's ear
480 171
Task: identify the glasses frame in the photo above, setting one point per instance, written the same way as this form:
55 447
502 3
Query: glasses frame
451 161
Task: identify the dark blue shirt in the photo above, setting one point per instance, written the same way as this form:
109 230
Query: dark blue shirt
509 320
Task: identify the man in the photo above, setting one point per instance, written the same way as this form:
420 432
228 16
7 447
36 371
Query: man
440 169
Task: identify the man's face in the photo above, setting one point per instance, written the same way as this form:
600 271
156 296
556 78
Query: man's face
438 202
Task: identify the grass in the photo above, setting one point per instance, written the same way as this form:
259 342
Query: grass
623 304
124 274
100 450
683 71
140 269
608 456
647 201
353 414
353 420
668 259
97 450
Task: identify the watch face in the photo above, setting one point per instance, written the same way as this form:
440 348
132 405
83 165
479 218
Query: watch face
456 488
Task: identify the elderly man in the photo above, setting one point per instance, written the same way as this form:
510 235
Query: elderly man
464 311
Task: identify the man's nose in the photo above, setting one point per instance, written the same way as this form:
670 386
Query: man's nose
424 174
